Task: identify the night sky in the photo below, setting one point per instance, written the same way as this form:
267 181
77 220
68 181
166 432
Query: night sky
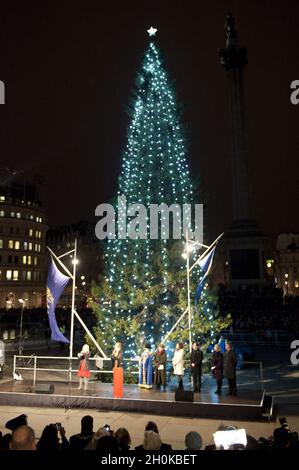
69 69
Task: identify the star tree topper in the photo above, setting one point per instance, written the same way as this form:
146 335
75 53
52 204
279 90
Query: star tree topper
152 31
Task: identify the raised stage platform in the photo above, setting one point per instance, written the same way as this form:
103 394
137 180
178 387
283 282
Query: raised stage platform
248 405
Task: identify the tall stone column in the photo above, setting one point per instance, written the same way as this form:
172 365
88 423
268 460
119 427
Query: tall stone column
243 243
234 59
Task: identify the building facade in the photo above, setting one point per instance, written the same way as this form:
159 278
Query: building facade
287 263
23 258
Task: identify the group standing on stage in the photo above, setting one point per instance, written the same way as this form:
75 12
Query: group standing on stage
224 365
153 367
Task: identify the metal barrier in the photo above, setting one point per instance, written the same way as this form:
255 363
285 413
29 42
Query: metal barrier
35 369
56 358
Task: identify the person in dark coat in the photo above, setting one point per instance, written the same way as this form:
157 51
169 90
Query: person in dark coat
217 367
80 441
196 366
230 364
160 367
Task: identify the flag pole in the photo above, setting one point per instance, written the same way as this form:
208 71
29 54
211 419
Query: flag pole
75 262
188 290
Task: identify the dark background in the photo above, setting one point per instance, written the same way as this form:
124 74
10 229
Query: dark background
69 69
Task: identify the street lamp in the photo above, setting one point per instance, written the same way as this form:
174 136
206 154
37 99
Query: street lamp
286 283
22 302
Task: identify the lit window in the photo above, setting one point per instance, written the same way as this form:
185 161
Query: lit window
2 198
10 244
31 217
2 214
36 233
24 259
25 246
296 284
36 247
18 215
29 259
12 334
35 261
28 275
16 275
8 274
0 275
30 232
17 245
30 246
40 234
12 214
1 243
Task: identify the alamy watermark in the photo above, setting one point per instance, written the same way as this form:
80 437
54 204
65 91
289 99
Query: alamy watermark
294 96
2 92
295 354
157 221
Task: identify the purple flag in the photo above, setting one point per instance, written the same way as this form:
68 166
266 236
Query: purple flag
56 282
205 266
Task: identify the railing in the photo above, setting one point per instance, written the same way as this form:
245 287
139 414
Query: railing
70 370
57 358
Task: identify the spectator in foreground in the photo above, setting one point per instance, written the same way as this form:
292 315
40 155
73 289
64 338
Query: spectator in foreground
5 442
23 438
80 441
193 441
50 441
283 439
151 426
92 445
151 441
107 444
123 438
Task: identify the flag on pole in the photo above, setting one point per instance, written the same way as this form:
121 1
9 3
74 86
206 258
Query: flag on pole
56 282
205 266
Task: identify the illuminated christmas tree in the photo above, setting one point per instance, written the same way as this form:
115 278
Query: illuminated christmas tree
143 290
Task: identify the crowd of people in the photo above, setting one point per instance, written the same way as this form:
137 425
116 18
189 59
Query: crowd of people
54 438
253 310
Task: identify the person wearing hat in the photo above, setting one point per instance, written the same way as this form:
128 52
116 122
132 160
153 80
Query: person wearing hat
160 367
15 423
146 368
193 441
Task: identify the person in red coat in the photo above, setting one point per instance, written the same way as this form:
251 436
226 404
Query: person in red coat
84 369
